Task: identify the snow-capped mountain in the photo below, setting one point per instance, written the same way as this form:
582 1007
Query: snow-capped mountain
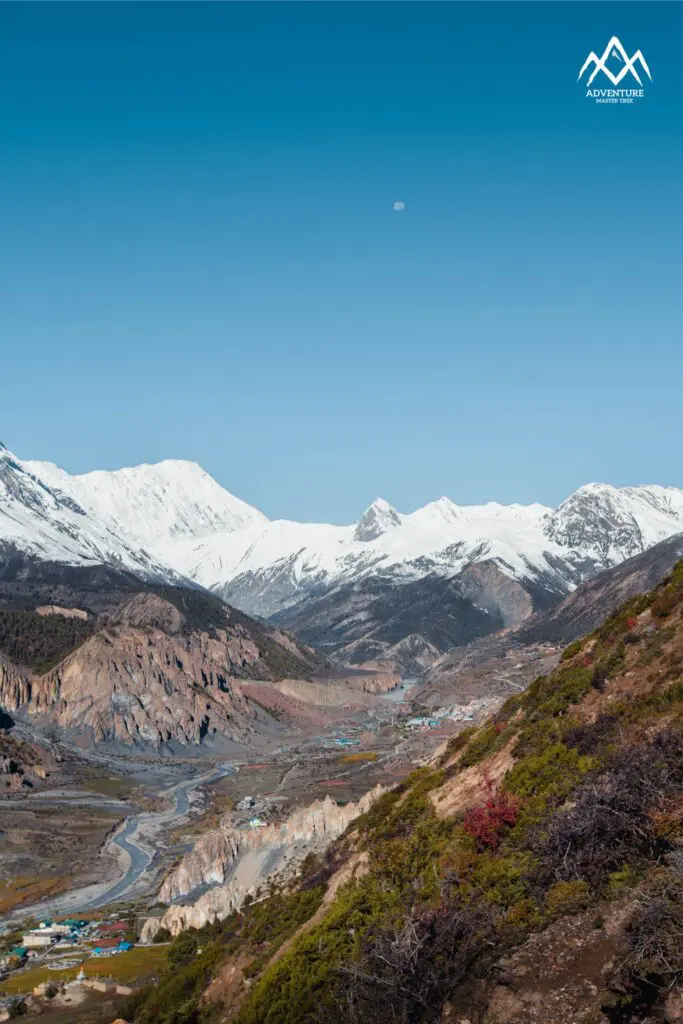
268 567
50 523
155 506
174 518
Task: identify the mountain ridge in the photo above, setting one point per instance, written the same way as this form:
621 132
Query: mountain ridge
172 522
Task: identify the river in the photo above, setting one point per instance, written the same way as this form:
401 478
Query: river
136 842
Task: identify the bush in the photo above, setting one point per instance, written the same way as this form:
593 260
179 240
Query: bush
572 649
405 972
653 964
183 950
486 741
567 897
488 823
595 737
656 932
552 774
610 824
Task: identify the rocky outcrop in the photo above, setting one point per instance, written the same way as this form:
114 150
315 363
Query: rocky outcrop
67 613
150 611
15 685
410 657
240 861
155 670
376 520
130 685
493 591
22 764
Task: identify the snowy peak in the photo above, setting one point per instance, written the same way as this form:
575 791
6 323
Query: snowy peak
156 505
438 512
615 523
173 518
38 517
376 520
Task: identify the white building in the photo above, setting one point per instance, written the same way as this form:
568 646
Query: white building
37 939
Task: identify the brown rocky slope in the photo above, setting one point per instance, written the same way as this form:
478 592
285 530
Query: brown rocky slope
240 861
157 668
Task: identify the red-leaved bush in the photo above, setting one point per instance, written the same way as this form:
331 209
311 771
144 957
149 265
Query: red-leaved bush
487 823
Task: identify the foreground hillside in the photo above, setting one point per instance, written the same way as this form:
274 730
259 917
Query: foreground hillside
532 873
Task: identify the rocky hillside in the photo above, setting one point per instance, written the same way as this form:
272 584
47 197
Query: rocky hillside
365 620
23 765
588 605
234 863
127 663
502 662
532 873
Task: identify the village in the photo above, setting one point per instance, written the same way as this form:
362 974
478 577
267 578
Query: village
60 962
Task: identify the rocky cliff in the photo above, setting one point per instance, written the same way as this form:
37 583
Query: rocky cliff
241 861
15 685
131 685
151 670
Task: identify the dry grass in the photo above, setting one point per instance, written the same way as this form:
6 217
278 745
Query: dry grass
114 786
28 889
358 758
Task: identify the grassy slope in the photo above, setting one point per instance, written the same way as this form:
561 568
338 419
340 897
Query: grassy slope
569 802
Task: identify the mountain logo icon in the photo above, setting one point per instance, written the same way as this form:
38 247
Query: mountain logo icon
615 51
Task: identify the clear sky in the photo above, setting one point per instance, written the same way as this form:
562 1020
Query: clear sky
199 257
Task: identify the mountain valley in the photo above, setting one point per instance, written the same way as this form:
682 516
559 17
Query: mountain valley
528 870
281 735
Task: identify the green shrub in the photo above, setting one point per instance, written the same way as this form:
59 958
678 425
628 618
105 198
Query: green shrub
567 897
552 774
572 649
486 741
502 879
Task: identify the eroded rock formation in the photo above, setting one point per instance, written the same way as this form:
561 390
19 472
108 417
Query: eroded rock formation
240 861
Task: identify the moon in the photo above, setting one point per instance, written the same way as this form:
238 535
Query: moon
398 206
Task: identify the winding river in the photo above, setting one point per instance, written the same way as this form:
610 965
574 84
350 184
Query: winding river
136 843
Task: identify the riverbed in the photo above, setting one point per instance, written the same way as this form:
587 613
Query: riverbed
134 846
403 692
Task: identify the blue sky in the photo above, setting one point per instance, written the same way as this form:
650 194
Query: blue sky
199 257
